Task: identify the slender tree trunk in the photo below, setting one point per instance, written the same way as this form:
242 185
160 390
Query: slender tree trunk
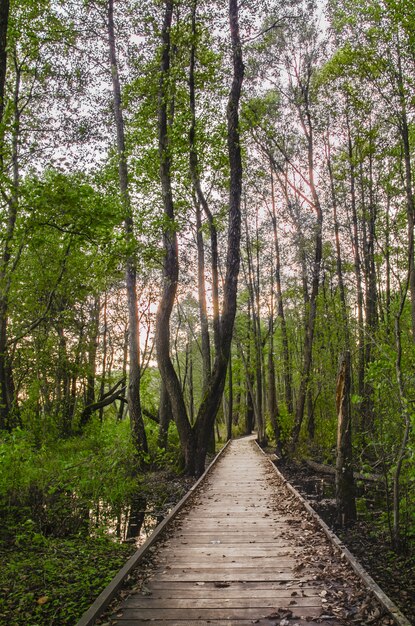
230 402
104 354
121 408
199 200
315 283
171 260
195 441
134 399
256 326
8 406
410 202
280 307
357 268
165 416
210 403
272 391
371 319
92 351
4 23
406 431
190 385
388 266
345 491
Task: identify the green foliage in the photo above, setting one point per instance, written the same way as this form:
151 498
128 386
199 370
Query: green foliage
46 580
72 474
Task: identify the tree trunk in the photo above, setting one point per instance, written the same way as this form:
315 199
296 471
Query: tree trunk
134 399
256 326
345 491
199 200
92 351
229 415
171 261
195 440
315 283
410 202
164 416
4 23
8 406
357 268
104 355
121 408
209 406
280 307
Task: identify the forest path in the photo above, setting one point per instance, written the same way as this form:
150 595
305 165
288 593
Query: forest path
244 552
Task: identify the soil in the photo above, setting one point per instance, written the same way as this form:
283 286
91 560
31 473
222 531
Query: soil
394 573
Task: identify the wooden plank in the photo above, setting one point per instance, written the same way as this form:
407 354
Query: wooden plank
227 613
236 589
247 549
219 622
231 562
138 601
228 575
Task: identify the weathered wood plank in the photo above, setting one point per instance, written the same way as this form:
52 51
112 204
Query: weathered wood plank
138 601
219 622
229 575
263 589
209 614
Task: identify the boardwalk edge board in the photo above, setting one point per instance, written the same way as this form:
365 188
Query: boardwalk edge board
110 591
372 586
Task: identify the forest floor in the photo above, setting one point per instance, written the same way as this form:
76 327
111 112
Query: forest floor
49 580
394 573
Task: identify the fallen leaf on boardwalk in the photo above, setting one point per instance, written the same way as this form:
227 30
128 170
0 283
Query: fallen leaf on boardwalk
145 591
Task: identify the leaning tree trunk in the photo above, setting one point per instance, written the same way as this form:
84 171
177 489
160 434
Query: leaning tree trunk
134 399
210 404
194 441
201 202
171 260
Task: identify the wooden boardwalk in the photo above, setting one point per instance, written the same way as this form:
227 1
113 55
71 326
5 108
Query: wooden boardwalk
244 552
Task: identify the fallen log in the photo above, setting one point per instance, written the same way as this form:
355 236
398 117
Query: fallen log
328 469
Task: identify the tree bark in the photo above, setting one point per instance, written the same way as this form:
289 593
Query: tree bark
357 266
315 283
8 405
280 306
345 491
229 415
195 440
134 399
199 200
410 202
171 260
104 355
121 408
4 23
92 351
164 416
